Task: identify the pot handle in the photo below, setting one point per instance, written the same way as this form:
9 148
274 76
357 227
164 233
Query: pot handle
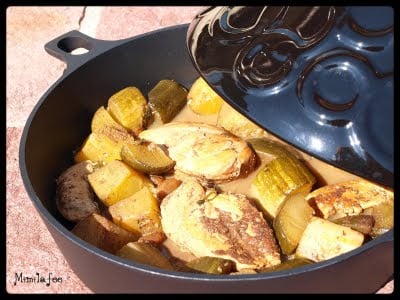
63 47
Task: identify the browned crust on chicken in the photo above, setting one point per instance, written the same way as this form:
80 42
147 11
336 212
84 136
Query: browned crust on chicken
348 198
222 225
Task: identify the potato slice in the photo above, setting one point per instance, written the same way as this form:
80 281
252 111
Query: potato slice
278 179
202 99
166 99
99 149
236 123
148 158
145 254
116 181
129 108
138 213
102 233
291 221
323 240
348 198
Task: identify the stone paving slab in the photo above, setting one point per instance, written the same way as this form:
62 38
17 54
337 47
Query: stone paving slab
30 249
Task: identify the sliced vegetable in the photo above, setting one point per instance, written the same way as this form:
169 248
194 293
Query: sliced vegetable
348 198
281 177
138 213
238 124
116 181
102 233
211 265
288 264
383 215
148 158
167 98
323 240
129 108
202 99
361 223
291 221
145 254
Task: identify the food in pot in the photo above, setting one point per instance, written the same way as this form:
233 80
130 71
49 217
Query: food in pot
383 214
361 223
98 148
211 193
145 254
237 124
211 265
148 158
323 239
166 99
138 213
103 233
74 196
283 176
291 221
116 181
129 108
204 151
348 198
288 264
218 224
202 99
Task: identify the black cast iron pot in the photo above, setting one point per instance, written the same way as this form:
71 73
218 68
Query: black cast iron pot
61 121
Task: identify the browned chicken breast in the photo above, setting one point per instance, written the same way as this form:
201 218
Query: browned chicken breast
220 225
205 151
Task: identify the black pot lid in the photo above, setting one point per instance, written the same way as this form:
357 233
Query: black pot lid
320 78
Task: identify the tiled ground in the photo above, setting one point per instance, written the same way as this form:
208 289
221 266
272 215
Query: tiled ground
30 72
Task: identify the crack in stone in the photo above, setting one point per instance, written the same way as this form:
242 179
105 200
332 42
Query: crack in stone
82 17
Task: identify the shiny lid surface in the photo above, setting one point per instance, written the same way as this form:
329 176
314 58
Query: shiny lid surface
320 78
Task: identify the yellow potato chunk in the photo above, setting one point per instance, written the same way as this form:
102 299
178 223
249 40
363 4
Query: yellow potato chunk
145 254
98 148
323 240
116 181
102 118
129 108
202 99
138 213
102 233
236 123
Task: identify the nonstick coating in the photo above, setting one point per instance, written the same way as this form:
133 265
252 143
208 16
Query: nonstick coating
61 121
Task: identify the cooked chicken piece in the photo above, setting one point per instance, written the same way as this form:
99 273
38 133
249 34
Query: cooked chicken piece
348 198
218 225
205 151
